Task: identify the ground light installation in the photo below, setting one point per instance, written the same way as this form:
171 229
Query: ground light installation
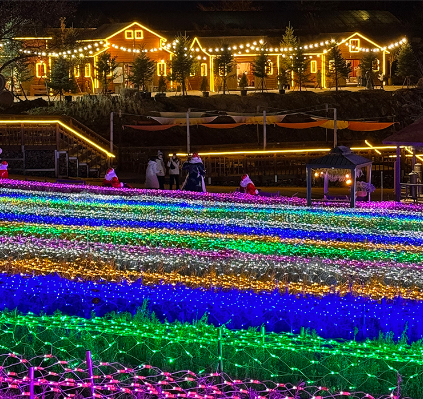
107 293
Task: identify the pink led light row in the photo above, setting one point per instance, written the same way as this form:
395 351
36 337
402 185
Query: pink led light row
110 380
221 197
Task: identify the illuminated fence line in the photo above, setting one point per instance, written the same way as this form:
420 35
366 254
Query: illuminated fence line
46 375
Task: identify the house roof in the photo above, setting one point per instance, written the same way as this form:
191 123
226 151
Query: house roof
411 135
339 158
107 30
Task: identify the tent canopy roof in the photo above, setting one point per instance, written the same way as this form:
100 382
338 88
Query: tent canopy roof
411 135
340 158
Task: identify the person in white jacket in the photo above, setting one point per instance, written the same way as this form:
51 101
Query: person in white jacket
151 180
173 165
161 169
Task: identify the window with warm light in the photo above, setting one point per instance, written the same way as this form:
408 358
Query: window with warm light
87 73
76 72
354 45
313 66
40 69
129 34
139 35
204 69
269 68
161 68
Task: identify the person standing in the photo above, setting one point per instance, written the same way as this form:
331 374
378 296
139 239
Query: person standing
151 180
161 169
4 174
173 165
358 74
196 172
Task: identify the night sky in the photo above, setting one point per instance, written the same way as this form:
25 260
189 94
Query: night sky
106 11
170 17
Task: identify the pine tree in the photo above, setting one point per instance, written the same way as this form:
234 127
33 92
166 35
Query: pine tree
182 62
243 81
366 66
407 65
143 70
290 43
60 79
261 66
18 69
223 64
162 84
300 67
336 65
106 69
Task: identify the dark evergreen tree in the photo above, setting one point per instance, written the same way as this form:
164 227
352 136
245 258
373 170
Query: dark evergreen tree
243 81
61 78
18 69
261 66
29 16
162 84
106 69
204 84
143 69
337 67
182 63
223 64
367 65
407 65
300 67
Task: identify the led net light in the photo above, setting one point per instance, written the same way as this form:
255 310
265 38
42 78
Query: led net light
47 375
236 259
372 365
201 197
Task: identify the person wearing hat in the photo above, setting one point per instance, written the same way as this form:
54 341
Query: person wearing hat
161 169
4 174
151 180
247 186
111 179
196 172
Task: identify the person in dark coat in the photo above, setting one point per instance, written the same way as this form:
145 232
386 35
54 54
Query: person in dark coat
196 172
173 165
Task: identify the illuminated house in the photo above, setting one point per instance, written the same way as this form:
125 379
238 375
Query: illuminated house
126 41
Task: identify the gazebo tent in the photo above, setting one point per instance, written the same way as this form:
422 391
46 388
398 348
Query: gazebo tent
339 158
410 136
